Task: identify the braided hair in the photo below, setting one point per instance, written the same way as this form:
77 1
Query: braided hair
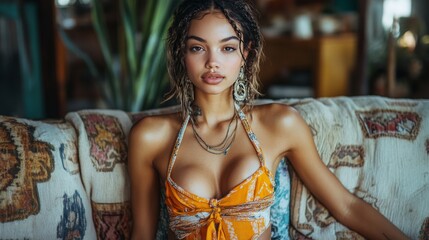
241 15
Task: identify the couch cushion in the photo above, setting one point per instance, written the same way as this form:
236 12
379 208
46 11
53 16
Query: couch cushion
41 194
378 148
102 143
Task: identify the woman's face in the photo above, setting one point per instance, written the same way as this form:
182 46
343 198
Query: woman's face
213 58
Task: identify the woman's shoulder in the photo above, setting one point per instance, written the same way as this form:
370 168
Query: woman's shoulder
279 119
156 128
282 123
277 115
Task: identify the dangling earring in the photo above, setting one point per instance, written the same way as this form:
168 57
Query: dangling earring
240 87
189 88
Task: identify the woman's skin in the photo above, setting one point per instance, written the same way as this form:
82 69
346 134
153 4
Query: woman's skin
213 59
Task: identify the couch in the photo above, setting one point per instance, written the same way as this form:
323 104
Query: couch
67 178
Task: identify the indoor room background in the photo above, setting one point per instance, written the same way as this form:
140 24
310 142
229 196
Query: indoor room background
66 55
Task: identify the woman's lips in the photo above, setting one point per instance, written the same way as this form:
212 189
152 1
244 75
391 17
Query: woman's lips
212 78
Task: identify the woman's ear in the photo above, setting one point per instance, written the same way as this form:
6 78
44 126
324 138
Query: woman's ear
245 53
246 50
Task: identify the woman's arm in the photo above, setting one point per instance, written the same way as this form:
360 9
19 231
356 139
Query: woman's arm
144 180
344 206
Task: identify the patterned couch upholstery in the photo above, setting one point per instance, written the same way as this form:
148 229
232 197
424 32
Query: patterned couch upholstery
67 178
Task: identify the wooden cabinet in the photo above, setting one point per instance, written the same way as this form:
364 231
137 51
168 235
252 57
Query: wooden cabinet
331 59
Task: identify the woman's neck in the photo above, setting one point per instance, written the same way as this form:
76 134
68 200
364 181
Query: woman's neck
214 109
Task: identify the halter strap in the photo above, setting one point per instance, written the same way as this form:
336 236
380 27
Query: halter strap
177 145
246 126
250 134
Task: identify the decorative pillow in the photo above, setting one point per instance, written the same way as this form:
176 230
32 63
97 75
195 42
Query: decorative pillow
102 143
41 194
378 148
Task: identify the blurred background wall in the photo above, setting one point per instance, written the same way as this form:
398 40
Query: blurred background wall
313 48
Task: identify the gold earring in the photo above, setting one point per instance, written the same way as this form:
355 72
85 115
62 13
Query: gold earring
240 87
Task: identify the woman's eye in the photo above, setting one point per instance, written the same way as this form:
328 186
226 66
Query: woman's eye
196 49
230 49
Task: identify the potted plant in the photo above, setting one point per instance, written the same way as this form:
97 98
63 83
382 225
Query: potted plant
135 73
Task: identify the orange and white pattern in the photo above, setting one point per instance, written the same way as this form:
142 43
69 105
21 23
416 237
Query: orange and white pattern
244 213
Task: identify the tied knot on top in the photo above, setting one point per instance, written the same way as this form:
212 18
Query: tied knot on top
215 215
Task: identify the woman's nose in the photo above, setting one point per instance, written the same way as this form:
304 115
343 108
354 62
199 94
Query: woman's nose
212 61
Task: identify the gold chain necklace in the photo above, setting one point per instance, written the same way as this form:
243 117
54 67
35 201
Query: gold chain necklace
225 145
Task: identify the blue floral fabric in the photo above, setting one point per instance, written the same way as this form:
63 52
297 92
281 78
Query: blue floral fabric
279 210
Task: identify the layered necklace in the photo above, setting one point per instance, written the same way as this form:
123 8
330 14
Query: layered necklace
225 145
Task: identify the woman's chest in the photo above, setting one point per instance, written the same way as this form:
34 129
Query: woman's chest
214 175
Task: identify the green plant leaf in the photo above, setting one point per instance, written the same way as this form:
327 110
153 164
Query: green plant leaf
79 53
128 19
99 21
141 74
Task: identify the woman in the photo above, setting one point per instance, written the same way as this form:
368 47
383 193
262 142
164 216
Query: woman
215 158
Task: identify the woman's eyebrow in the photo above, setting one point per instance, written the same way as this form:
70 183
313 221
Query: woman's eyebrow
204 41
230 38
196 38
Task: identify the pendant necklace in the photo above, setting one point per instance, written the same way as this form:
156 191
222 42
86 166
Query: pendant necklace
225 145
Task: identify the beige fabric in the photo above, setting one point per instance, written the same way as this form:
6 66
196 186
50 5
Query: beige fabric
102 140
41 191
387 168
103 153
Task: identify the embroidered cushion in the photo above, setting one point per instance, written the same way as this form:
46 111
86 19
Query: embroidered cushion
41 193
102 141
379 149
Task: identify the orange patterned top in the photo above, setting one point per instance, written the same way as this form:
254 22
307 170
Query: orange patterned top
244 213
